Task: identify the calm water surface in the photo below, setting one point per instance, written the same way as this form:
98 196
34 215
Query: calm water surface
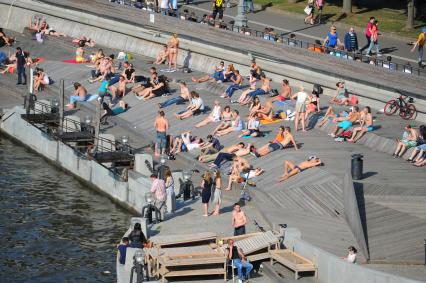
53 228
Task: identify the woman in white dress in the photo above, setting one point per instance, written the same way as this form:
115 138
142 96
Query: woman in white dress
217 195
213 117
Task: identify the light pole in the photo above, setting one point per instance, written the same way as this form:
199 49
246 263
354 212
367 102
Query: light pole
138 266
241 18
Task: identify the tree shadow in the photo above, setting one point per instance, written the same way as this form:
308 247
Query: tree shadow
388 50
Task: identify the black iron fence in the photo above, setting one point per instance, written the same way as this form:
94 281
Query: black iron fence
383 62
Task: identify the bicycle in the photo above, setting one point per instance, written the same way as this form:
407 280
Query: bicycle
407 110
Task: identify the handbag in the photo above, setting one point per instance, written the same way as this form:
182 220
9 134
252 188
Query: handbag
308 10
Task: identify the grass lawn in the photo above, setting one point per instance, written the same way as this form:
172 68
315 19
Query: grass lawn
389 20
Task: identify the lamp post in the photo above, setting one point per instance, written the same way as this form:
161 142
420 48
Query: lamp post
161 172
138 265
124 143
241 18
87 125
54 106
149 207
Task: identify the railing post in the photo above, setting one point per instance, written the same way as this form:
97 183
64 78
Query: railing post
61 102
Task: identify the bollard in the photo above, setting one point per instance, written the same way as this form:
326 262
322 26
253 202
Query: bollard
356 166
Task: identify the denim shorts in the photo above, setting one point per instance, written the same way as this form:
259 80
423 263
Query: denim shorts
161 140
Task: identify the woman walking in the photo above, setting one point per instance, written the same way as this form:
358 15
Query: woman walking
206 185
217 196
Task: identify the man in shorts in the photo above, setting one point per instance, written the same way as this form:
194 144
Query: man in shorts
278 143
161 126
345 123
409 140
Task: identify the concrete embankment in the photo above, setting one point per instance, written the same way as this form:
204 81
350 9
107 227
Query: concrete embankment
129 194
202 47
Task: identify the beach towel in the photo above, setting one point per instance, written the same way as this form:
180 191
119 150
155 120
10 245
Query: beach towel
267 122
73 61
281 103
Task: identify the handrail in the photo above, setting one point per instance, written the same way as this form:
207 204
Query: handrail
314 47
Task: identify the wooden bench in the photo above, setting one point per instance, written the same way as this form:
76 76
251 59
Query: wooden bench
293 261
179 240
178 262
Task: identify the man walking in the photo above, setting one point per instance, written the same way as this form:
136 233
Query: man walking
21 61
161 125
158 188
420 43
351 40
239 220
368 33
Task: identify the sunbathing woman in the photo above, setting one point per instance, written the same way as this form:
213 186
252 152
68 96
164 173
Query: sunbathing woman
226 118
247 96
219 76
252 130
5 40
162 56
10 64
158 88
84 40
79 54
173 46
34 25
266 112
291 169
194 108
213 117
41 78
236 126
254 107
47 30
312 104
283 140
330 115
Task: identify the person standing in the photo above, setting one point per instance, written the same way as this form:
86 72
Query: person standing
217 9
320 6
239 260
301 98
420 43
351 40
158 188
122 249
21 61
374 40
206 185
161 126
367 32
217 195
239 220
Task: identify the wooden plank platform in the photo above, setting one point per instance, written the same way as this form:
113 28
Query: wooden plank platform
293 261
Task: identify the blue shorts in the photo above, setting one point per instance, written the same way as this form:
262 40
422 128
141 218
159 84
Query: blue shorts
421 147
370 128
345 125
275 146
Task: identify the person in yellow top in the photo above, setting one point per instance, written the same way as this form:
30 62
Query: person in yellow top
420 43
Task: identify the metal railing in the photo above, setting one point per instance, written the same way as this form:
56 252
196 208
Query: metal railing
406 68
116 156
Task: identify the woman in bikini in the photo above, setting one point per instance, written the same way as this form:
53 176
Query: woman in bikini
291 169
226 119
213 117
237 125
173 45
79 53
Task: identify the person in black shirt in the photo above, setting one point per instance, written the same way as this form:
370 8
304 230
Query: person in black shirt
137 237
21 61
129 72
239 261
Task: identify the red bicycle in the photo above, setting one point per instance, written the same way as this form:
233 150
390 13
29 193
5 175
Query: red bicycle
407 110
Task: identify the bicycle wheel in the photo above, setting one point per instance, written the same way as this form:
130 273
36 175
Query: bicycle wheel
391 107
408 112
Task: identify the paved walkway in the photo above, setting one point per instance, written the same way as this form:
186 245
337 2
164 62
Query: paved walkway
288 23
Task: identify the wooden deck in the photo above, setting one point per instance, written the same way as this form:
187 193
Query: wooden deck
392 194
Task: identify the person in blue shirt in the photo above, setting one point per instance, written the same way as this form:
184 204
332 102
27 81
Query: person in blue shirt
332 40
122 249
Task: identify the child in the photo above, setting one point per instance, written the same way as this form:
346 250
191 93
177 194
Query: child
122 248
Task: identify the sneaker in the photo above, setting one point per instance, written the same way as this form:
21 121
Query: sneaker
379 54
339 139
234 101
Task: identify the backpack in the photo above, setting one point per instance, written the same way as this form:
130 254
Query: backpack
354 100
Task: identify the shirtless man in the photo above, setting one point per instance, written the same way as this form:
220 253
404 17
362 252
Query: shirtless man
173 45
79 94
278 143
162 56
285 92
182 98
345 123
248 95
230 149
161 126
409 141
291 169
365 126
120 90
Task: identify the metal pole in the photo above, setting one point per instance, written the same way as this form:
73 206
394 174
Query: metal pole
62 102
241 18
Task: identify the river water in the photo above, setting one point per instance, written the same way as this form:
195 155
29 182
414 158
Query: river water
52 227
